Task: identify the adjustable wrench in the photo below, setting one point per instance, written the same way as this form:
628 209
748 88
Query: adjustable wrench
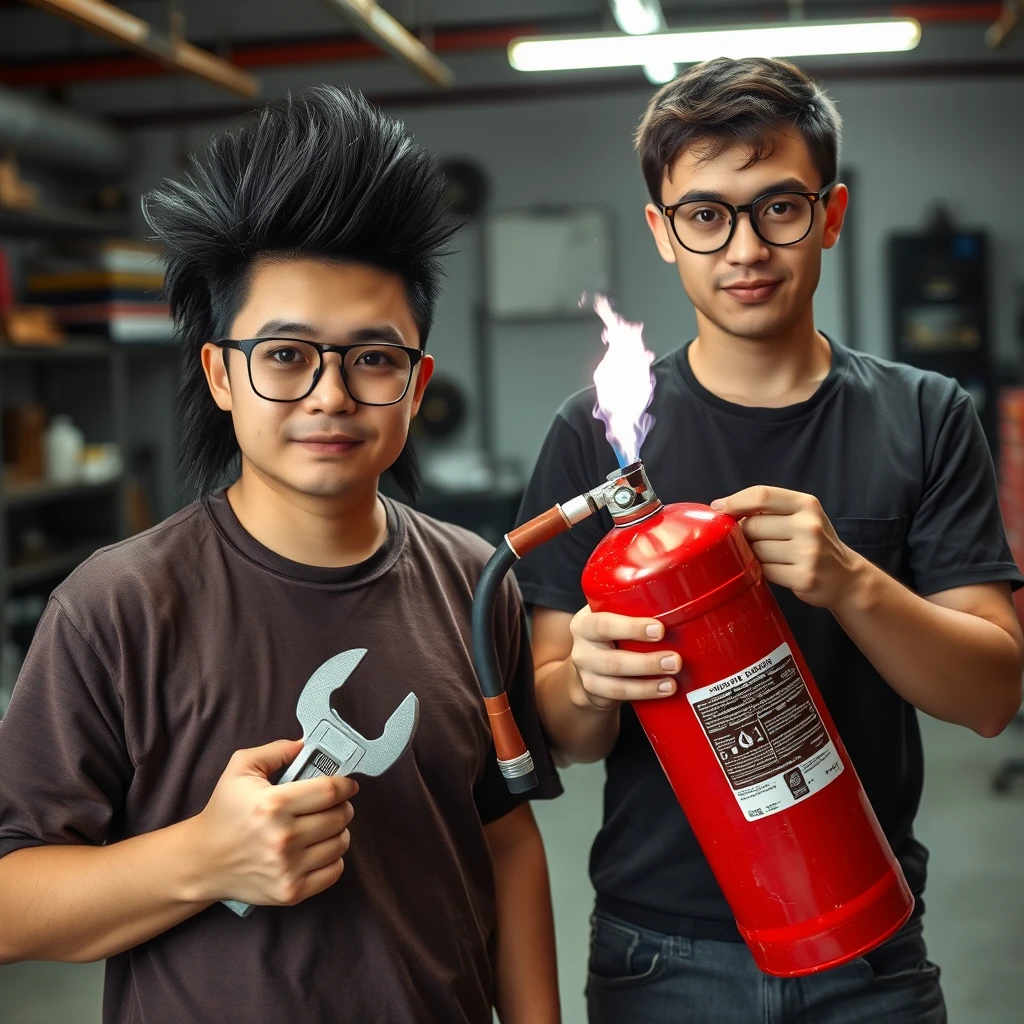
332 746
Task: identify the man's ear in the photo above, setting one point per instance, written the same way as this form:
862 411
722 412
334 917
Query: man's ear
215 367
424 371
659 228
835 214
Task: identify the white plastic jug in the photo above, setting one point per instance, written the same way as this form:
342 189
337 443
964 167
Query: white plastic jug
63 443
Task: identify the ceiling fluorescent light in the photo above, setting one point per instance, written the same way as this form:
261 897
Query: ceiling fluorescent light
641 17
638 17
789 40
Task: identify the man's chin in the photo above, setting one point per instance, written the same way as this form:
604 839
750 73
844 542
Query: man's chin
755 325
323 486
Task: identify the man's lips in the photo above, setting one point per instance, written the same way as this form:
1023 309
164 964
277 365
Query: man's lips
329 443
750 292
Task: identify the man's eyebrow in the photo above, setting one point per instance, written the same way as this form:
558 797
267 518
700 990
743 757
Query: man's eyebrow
287 328
275 328
379 332
706 196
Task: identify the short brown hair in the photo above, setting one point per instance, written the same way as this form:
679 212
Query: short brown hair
725 102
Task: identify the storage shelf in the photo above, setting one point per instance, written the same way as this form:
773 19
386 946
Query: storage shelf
58 564
91 348
85 349
50 221
39 492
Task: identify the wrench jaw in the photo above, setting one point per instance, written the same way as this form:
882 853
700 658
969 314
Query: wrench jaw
315 697
393 742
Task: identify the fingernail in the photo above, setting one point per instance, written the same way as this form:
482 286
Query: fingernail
666 687
654 630
718 504
669 664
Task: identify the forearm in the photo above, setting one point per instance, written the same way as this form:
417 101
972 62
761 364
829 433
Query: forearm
950 664
526 972
578 730
84 903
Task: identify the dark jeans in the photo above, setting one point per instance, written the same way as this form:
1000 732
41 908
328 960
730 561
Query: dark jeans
642 977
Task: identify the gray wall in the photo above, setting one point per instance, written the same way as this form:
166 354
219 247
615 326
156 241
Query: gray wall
910 141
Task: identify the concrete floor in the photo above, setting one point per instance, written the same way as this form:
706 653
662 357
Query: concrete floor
975 896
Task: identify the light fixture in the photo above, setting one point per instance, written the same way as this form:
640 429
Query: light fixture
639 18
387 32
167 48
803 39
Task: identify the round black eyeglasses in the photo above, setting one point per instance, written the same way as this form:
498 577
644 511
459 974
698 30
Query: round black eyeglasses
705 226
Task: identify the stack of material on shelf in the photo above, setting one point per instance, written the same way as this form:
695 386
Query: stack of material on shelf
15 192
1011 476
111 288
23 325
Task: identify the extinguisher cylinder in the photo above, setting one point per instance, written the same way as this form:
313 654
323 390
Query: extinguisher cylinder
749 748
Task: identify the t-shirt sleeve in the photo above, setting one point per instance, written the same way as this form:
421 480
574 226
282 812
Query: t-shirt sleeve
64 763
491 792
956 537
567 465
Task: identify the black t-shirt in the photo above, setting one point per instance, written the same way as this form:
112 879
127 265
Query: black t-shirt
163 654
898 460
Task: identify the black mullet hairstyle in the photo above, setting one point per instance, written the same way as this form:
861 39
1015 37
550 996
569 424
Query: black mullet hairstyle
320 174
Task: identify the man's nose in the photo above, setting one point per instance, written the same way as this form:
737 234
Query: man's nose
746 246
331 394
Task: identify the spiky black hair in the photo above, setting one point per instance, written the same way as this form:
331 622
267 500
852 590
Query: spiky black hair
319 174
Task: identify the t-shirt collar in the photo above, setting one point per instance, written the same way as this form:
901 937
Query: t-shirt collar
832 382
242 542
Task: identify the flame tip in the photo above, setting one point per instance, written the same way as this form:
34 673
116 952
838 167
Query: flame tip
624 383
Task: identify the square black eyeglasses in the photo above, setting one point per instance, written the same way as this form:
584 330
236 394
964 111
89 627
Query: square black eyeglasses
288 369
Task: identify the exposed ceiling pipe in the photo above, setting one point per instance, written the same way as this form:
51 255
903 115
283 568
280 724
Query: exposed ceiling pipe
167 48
381 28
54 135
1003 25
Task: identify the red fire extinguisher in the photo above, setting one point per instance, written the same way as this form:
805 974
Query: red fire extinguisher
746 742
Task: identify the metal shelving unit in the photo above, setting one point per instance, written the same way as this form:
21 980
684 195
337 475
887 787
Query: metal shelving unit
34 496
57 222
89 515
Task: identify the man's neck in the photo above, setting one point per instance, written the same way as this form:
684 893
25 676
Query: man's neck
770 372
331 532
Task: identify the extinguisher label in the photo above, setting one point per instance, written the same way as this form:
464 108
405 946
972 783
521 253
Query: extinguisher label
767 735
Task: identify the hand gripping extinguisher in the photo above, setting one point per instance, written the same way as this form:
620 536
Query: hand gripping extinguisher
746 742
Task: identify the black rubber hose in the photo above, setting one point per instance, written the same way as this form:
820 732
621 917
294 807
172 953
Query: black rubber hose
485 655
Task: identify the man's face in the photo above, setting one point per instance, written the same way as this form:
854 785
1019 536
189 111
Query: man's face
749 289
325 444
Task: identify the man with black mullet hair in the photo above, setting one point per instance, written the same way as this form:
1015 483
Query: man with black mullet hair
304 252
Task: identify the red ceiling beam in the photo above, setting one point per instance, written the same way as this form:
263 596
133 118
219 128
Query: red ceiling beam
947 12
313 51
351 48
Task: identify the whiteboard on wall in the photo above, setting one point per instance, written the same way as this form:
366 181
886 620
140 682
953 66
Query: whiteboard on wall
540 262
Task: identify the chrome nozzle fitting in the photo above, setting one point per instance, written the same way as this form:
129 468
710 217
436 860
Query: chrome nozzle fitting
627 495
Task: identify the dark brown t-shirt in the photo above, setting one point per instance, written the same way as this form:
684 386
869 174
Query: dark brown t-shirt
163 654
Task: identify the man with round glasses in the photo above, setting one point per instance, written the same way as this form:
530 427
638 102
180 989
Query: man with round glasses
867 491
158 699
707 225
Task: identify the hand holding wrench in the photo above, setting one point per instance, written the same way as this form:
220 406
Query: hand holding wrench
332 746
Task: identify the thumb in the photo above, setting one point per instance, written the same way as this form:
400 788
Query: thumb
266 760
